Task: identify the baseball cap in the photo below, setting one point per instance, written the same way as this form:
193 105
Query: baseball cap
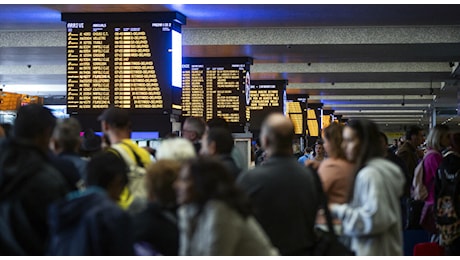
115 116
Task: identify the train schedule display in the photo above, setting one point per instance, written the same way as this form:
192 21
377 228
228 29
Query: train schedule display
126 60
216 87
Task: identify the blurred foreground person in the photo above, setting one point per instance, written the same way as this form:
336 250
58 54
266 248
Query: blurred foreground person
157 224
89 222
215 217
372 219
29 183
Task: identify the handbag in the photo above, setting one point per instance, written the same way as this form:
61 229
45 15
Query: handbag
327 242
413 213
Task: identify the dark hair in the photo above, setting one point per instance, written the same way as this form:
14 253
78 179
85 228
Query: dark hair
222 138
413 130
318 142
213 181
116 117
369 135
159 181
455 141
333 133
218 122
32 121
103 167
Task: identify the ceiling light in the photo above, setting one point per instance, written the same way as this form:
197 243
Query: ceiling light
383 116
365 85
334 106
369 97
405 111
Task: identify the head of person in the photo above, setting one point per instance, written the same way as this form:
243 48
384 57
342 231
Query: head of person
414 135
438 137
193 128
218 122
91 143
66 136
115 123
203 179
178 149
360 142
277 134
34 123
455 142
318 148
108 171
159 180
332 141
216 141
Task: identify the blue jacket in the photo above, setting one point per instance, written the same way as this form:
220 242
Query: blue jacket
89 223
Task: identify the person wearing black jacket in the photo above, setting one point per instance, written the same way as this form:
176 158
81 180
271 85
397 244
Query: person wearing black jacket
28 183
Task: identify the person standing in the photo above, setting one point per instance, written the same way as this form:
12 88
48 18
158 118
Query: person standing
116 126
215 217
409 153
372 218
282 191
193 130
29 183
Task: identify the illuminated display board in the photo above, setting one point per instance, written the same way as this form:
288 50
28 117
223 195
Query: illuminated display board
216 87
266 96
126 60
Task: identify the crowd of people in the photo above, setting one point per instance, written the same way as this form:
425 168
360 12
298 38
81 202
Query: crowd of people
66 194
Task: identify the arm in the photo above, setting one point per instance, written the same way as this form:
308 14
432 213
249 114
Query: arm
371 213
221 226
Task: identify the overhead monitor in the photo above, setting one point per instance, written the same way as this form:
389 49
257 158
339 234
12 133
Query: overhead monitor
216 87
266 96
126 60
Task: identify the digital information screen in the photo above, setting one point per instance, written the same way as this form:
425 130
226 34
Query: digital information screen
126 60
216 87
266 96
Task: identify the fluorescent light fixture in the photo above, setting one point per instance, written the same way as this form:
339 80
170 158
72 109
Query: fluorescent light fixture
359 106
366 85
382 116
176 59
369 97
405 111
36 89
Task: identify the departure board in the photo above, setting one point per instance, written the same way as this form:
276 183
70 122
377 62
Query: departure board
266 96
126 60
216 87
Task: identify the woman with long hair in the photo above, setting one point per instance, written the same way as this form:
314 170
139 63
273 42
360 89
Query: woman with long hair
436 142
215 217
335 172
372 218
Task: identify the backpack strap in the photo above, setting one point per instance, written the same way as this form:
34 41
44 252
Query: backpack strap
136 156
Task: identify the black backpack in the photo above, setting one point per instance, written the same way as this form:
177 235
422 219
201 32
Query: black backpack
447 198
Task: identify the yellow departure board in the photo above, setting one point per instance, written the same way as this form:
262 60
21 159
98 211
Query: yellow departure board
266 96
216 87
126 60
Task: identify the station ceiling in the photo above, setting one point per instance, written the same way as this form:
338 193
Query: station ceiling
389 63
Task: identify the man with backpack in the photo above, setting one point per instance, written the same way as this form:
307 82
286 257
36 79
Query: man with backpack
447 198
116 125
